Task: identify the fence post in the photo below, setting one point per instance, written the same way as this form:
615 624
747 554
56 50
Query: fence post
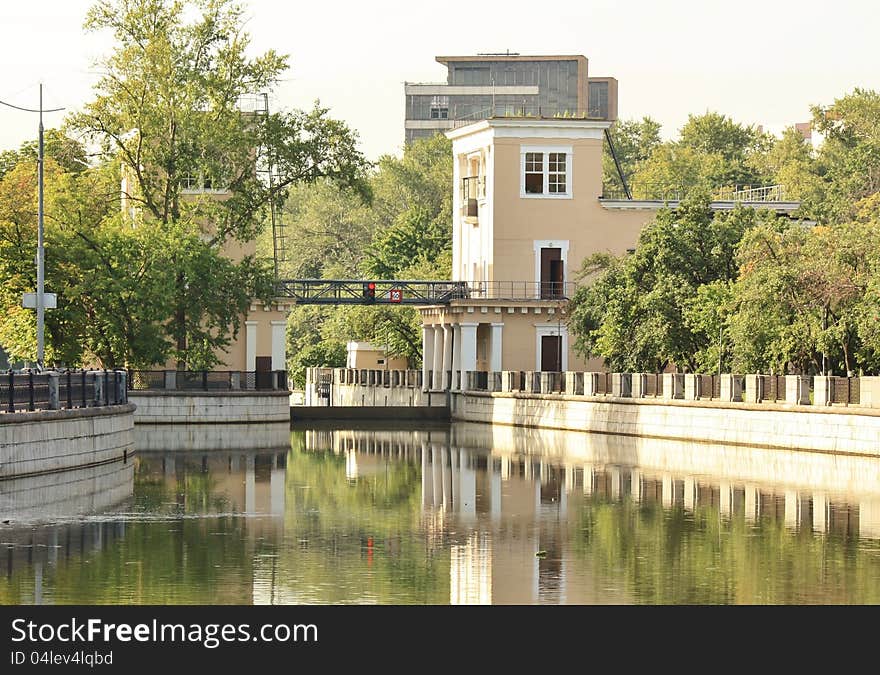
83 387
11 407
673 385
822 390
204 380
691 387
731 388
621 385
99 387
171 379
106 387
797 389
754 387
69 390
30 390
54 393
235 379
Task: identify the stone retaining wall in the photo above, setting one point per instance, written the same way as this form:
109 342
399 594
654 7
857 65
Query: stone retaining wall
201 407
843 430
43 442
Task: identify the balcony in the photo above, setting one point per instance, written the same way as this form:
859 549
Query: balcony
519 290
473 188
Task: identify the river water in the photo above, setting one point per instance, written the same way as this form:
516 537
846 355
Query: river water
459 513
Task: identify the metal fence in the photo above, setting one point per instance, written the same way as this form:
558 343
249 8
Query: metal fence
845 390
207 380
28 390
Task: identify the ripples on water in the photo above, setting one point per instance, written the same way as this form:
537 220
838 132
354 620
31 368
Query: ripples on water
462 514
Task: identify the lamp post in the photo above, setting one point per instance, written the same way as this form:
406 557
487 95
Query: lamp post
40 300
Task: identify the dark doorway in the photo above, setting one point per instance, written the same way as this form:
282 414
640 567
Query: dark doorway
551 353
552 273
263 376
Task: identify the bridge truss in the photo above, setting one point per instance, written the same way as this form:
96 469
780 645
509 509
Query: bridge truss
367 292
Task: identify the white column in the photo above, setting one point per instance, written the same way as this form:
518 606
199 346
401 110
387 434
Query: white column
456 353
468 347
427 353
791 505
279 346
438 357
250 345
495 347
447 355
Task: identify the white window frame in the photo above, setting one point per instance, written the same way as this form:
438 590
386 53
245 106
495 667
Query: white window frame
550 329
567 150
537 245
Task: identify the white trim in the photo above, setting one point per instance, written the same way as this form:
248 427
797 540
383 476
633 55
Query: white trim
545 150
519 127
542 329
537 245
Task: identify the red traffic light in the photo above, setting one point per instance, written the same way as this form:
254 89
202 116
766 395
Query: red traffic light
371 286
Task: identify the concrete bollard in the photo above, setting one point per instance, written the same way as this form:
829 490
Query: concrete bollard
731 388
797 389
822 390
546 379
574 383
171 379
235 379
673 385
621 385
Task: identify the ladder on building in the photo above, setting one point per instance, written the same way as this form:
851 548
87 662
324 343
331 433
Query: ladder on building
266 168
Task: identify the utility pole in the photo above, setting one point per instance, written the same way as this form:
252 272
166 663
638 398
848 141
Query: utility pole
40 300
41 252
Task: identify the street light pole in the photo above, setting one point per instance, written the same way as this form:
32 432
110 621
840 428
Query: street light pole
41 253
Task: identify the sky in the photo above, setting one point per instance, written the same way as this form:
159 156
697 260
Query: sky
759 62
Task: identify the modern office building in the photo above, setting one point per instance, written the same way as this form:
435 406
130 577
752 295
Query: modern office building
497 85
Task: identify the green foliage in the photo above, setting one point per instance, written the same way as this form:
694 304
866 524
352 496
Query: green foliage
634 141
405 232
644 311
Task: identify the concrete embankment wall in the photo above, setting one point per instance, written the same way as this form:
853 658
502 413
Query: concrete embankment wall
201 407
833 429
56 440
212 437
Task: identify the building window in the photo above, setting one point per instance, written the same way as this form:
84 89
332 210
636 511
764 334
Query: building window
534 176
556 172
546 172
440 107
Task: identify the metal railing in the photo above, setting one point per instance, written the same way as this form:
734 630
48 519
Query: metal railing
207 380
845 390
28 390
369 292
520 290
665 193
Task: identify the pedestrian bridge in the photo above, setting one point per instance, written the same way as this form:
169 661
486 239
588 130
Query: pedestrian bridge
416 292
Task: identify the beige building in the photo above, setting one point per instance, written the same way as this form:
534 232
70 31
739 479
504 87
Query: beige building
366 355
528 207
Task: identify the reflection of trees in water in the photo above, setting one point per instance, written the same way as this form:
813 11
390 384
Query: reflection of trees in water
672 555
356 540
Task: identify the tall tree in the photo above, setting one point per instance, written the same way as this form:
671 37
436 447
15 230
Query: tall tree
170 108
634 141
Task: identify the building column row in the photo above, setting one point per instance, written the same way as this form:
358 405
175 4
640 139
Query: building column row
453 348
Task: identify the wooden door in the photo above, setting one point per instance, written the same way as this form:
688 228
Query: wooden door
551 272
551 353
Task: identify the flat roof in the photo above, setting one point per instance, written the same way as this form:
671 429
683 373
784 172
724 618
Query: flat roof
526 122
511 57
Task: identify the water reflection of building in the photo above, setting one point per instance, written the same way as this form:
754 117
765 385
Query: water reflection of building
504 513
240 482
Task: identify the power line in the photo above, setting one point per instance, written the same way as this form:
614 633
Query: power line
18 107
